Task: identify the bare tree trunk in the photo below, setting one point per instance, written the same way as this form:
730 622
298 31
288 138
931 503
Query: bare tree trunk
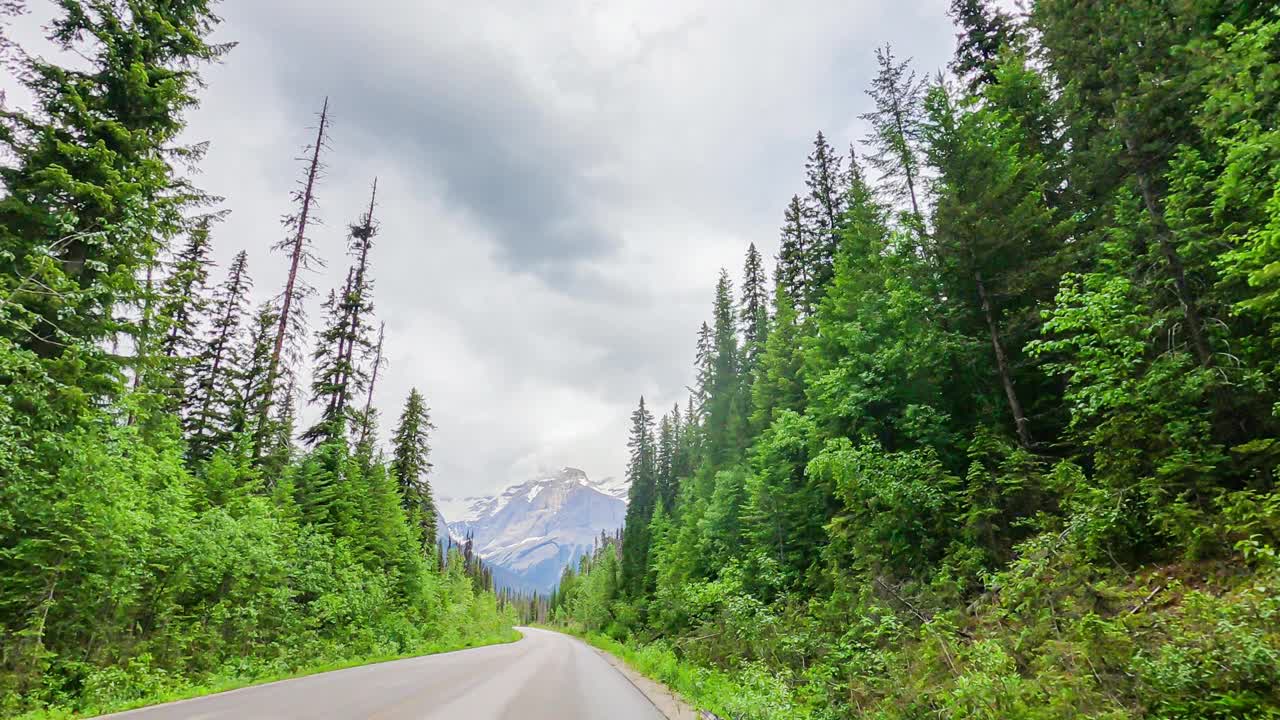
1190 309
1002 365
347 356
373 380
295 261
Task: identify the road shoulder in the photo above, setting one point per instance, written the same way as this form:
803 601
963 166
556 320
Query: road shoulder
668 702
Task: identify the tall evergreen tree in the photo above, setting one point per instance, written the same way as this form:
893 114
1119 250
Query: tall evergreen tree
704 357
183 302
182 307
984 31
410 465
338 374
90 194
895 132
297 247
641 473
211 399
778 384
823 176
723 423
754 311
666 463
795 256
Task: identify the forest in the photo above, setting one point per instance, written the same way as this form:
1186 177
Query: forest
999 437
168 525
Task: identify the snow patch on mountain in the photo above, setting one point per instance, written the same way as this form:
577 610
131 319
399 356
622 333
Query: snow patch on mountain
534 529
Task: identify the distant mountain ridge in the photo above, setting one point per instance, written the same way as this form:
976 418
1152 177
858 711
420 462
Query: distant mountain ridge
531 531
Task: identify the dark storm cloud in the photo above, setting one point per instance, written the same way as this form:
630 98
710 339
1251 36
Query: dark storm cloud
465 118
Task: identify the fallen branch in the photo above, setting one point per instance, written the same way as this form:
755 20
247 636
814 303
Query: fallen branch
1136 608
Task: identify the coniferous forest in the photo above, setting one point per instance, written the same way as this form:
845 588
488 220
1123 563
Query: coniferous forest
999 437
166 520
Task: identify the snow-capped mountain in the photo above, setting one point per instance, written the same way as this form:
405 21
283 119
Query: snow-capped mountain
530 531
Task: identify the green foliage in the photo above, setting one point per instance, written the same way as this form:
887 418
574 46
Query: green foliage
159 532
1014 454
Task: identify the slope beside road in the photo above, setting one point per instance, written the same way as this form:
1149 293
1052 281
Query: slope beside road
545 676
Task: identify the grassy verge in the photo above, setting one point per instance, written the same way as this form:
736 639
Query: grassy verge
749 694
212 686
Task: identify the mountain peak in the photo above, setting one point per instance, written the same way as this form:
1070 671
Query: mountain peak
532 530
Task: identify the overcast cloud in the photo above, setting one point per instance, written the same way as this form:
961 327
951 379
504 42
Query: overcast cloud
559 183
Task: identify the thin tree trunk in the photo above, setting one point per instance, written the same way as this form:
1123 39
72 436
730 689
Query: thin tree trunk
1190 309
1002 365
373 380
294 262
347 361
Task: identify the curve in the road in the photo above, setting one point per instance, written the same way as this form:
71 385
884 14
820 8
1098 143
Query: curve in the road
544 676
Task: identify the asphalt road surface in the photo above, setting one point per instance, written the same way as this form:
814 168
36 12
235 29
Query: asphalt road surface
545 676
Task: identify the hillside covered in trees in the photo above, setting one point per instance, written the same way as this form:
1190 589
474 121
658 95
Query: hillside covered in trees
165 518
1000 438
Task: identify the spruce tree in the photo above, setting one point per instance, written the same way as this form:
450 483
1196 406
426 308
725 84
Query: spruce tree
337 373
722 422
665 478
182 310
215 377
704 357
778 384
984 31
754 311
89 192
410 465
641 473
825 200
795 256
895 133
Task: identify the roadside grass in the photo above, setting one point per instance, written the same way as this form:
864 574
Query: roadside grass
215 685
749 695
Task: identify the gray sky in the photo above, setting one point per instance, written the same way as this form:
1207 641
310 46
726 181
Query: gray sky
559 183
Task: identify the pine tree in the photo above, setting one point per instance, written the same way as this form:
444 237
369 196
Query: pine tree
722 422
337 374
667 460
984 31
895 132
795 256
181 311
778 383
183 303
1001 240
641 474
823 174
89 193
297 246
754 311
211 399
410 465
704 358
